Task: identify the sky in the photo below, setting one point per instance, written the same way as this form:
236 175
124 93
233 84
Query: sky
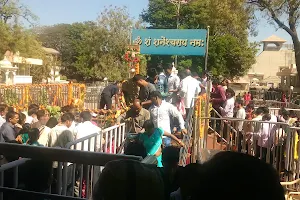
68 11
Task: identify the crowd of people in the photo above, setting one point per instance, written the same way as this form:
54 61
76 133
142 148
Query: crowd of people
159 105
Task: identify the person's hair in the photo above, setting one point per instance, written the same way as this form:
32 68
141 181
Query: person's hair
33 106
148 124
32 111
135 149
156 94
182 75
67 108
151 72
188 72
67 117
86 116
239 172
216 81
292 114
250 106
258 111
231 91
194 74
240 102
169 66
204 73
40 114
138 77
10 114
170 156
22 118
33 135
266 117
3 107
265 110
52 122
127 180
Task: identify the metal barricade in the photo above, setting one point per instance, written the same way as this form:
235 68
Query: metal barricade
62 156
266 140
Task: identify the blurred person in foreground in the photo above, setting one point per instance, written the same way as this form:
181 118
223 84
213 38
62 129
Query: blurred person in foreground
128 180
241 176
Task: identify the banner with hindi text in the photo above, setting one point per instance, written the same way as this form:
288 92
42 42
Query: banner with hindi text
170 41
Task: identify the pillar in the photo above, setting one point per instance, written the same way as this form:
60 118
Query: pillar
6 77
14 77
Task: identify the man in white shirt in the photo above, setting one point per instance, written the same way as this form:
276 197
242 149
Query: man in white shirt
227 110
61 132
161 113
240 114
189 89
3 111
267 111
84 129
173 82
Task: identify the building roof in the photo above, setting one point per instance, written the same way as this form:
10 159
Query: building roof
51 51
274 38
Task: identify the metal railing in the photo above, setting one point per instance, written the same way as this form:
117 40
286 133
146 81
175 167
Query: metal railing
84 159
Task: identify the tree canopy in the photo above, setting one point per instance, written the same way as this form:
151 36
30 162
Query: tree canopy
93 50
230 21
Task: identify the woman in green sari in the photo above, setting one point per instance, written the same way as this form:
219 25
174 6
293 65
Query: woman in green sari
152 140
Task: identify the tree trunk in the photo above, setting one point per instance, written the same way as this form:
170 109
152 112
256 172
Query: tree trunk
296 43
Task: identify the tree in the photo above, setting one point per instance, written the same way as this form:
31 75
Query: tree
93 50
228 19
286 15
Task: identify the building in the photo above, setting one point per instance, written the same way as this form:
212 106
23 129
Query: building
275 57
15 69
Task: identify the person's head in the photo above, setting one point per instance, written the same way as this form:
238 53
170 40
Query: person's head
119 84
156 98
170 157
3 109
188 72
292 114
225 82
85 116
190 179
127 180
285 114
67 119
22 119
250 107
230 93
149 127
182 75
168 69
12 117
238 172
135 149
140 80
33 112
52 122
33 106
136 106
33 134
266 117
239 103
204 75
215 82
42 116
258 112
195 75
68 109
